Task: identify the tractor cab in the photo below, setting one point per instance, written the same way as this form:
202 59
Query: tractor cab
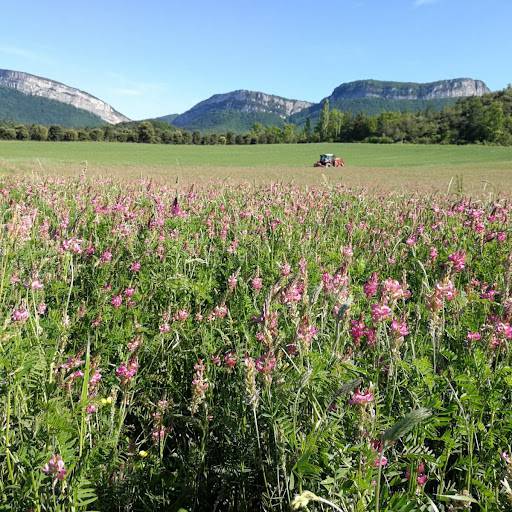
329 160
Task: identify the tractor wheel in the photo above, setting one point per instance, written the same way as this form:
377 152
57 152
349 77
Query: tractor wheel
328 165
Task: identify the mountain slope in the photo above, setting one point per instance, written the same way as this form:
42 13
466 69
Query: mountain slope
168 118
20 108
374 96
34 86
237 111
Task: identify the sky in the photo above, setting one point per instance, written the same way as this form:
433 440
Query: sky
149 58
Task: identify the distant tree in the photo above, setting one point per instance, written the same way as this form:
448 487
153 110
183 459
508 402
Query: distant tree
239 139
22 132
187 137
70 135
55 133
83 135
494 121
110 134
222 140
196 138
323 124
132 136
146 132
262 138
335 125
38 132
166 137
96 134
288 134
307 129
7 133
230 138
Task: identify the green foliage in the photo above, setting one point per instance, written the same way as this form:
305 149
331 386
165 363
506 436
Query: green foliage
407 423
18 107
221 121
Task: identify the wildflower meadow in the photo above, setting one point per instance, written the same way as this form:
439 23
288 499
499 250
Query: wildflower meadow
244 348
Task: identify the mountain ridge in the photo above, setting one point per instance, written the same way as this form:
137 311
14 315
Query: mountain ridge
376 96
238 110
34 85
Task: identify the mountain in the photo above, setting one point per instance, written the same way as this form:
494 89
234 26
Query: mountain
375 96
20 108
237 111
168 119
83 108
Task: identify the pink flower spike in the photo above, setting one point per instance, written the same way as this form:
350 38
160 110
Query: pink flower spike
380 461
380 312
116 301
422 479
55 467
256 283
360 397
20 315
135 266
458 260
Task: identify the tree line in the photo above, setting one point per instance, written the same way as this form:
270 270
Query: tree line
484 120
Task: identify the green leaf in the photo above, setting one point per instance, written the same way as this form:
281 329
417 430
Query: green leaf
406 424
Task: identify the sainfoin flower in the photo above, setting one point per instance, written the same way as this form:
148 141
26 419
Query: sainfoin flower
394 290
446 290
55 467
232 282
357 330
106 257
199 386
380 312
266 363
20 315
36 285
116 301
371 286
474 336
95 378
230 359
181 315
458 260
285 269
129 292
360 397
256 283
306 331
380 461
126 372
399 328
135 266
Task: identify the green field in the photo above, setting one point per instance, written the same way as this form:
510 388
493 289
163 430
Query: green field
388 166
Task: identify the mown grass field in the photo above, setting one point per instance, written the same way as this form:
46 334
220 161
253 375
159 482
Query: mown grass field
382 166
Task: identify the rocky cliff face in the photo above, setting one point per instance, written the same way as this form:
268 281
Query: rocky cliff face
38 86
456 88
246 102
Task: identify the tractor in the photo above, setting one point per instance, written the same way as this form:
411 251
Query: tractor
329 160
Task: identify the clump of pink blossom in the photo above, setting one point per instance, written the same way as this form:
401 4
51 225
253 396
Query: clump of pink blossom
55 467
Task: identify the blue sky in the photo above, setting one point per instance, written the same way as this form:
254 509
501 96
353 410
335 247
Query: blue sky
150 57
